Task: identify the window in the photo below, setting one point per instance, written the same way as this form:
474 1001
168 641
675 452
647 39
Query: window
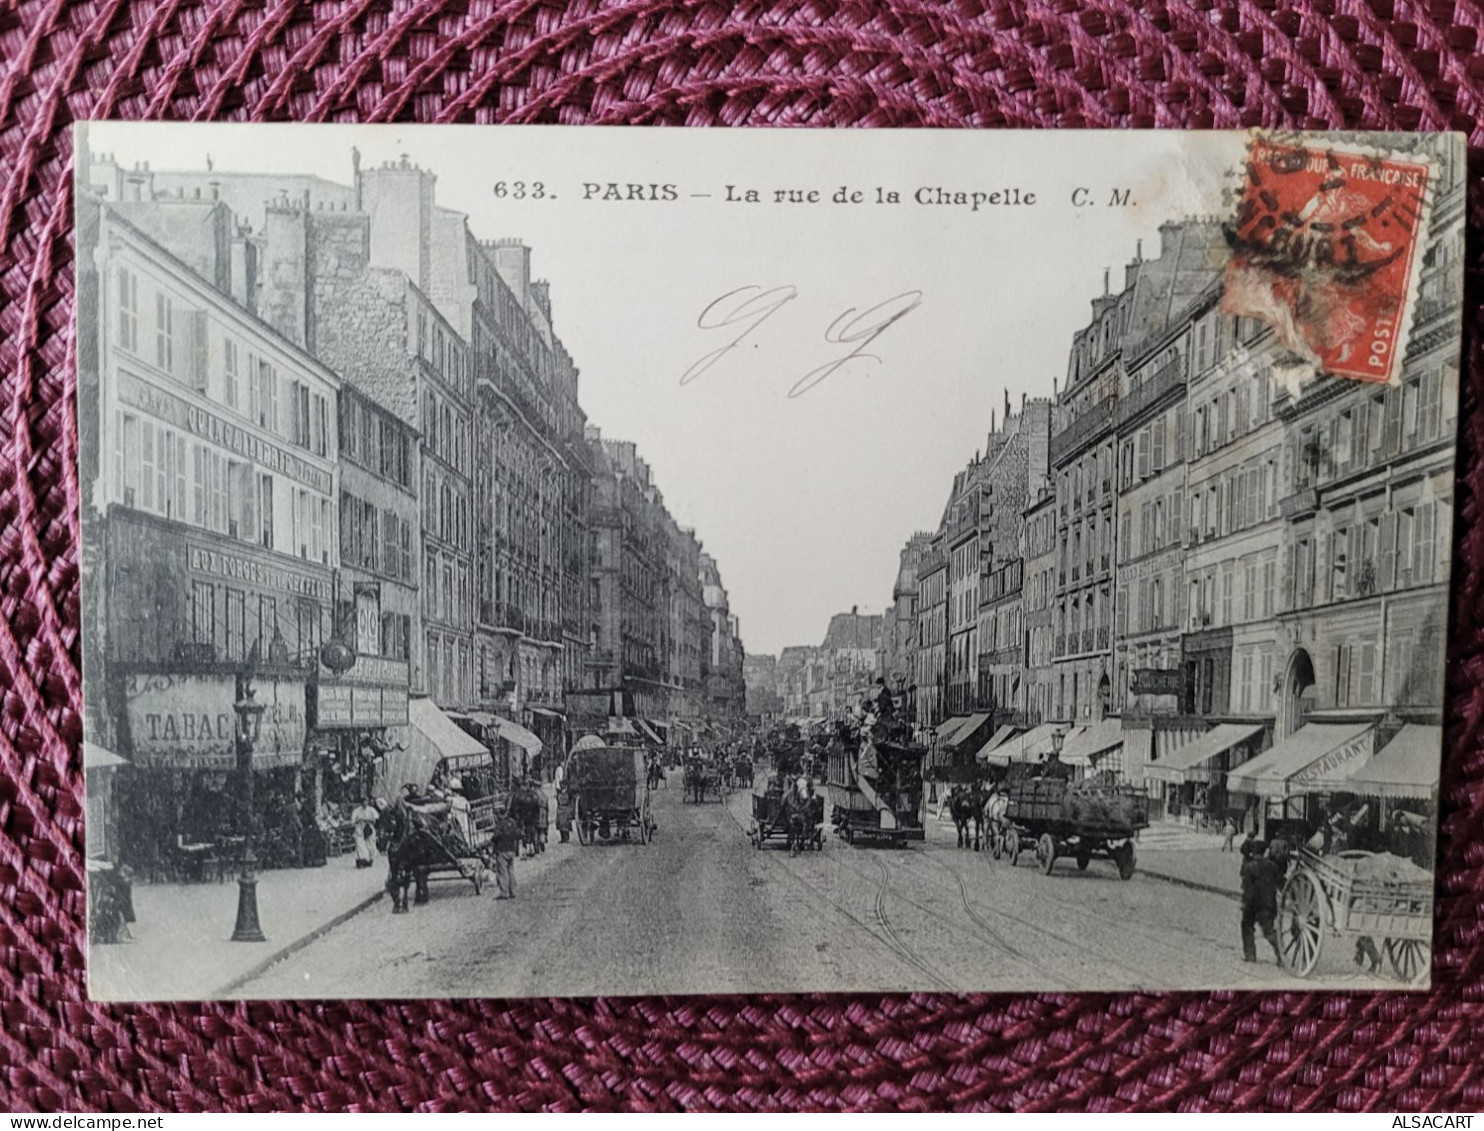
199 465
267 397
1424 551
1406 532
164 333
1246 681
230 375
321 425
128 310
1249 589
1228 572
265 509
1411 393
203 612
1143 454
235 644
239 517
1339 563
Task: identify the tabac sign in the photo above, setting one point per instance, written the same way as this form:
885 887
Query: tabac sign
187 722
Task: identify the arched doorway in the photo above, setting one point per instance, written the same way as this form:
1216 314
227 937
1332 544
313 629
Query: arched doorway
1298 677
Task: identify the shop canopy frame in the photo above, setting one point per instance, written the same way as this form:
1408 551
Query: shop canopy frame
1182 764
1086 743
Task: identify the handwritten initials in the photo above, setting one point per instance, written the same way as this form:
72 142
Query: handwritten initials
751 306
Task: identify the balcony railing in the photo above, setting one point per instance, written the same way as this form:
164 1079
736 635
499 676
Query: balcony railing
1169 376
1103 637
1093 422
1303 501
1061 645
1087 640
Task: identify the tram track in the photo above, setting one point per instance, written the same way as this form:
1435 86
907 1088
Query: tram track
887 936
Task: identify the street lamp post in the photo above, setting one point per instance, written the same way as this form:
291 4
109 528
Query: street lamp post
249 727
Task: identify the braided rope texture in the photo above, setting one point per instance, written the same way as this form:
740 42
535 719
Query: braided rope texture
1366 64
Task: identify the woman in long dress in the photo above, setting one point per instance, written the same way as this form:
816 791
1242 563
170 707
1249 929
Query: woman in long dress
363 824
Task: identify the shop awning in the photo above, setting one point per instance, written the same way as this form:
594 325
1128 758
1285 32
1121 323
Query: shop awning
1028 746
546 714
1406 767
1313 749
94 757
992 747
648 731
681 724
970 725
1188 762
949 729
517 735
1086 744
432 737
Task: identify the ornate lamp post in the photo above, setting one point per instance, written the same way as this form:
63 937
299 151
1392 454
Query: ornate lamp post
249 728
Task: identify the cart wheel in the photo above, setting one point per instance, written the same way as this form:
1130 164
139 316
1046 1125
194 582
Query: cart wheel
1046 853
996 848
478 878
1410 958
1125 860
1012 848
584 829
1300 924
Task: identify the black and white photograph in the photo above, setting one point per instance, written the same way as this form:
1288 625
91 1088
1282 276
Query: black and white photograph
558 562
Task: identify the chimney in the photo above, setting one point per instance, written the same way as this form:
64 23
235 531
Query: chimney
1107 272
1138 251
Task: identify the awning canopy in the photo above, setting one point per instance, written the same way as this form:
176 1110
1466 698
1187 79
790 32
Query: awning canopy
1406 767
1313 749
546 714
432 737
993 743
517 735
1084 745
648 731
94 757
682 724
1028 746
1188 762
949 729
966 732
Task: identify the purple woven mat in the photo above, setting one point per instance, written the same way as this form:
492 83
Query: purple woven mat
790 62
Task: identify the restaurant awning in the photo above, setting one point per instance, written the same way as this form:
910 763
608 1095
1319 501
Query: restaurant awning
432 737
1082 746
1188 762
1406 767
965 733
996 740
1313 749
94 757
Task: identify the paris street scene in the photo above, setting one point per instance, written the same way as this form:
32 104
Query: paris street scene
535 562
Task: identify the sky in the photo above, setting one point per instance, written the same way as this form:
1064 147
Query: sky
803 488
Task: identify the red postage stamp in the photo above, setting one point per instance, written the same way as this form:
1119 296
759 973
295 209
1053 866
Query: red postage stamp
1325 247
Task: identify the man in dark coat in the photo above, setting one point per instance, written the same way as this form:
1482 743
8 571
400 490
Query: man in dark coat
1264 868
505 843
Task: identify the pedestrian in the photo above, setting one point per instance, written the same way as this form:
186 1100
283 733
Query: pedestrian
505 842
1259 899
363 825
1228 835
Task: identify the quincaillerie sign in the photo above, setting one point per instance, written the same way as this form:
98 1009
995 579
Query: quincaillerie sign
188 722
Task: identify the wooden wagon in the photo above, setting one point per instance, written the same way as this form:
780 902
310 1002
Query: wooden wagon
1055 818
1357 895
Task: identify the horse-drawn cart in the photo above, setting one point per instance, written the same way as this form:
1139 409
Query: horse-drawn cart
1056 818
703 777
774 819
426 837
875 791
1357 895
609 788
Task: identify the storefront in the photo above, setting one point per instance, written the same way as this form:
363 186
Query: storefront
1193 776
180 813
357 716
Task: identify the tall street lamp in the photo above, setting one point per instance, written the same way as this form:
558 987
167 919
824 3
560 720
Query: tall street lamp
249 728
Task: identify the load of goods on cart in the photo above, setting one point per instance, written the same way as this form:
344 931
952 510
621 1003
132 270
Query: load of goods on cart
1095 818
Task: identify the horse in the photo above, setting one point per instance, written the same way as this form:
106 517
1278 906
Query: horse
528 809
397 834
996 819
656 773
966 807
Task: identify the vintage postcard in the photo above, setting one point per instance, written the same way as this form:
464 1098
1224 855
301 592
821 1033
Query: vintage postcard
524 561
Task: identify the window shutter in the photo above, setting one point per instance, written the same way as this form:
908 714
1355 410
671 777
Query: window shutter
1367 687
194 357
1158 454
1392 436
1144 454
1388 550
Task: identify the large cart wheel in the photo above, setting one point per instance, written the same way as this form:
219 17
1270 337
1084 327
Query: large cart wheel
1046 852
1410 958
1012 847
584 828
1125 859
1301 924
